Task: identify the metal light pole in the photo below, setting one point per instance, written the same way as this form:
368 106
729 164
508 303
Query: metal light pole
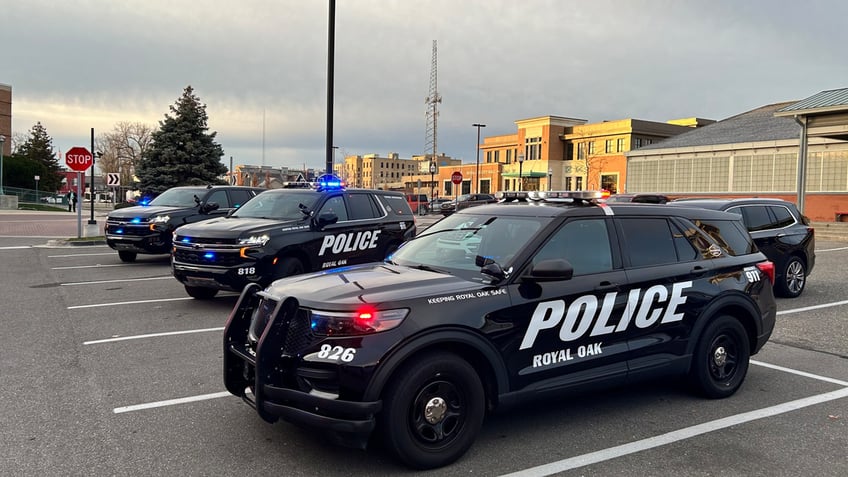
520 165
432 180
478 126
550 175
2 144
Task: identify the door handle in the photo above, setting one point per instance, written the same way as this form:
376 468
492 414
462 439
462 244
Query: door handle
606 287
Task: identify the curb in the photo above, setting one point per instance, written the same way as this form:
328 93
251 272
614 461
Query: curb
74 243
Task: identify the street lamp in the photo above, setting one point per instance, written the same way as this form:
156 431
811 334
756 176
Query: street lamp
432 181
2 143
520 165
550 174
478 126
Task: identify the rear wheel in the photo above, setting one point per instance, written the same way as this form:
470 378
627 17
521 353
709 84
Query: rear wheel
794 278
434 408
127 256
201 293
720 362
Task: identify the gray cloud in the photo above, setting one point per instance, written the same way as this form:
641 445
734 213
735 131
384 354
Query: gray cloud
79 64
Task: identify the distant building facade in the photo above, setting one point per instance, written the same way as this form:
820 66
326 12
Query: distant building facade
754 153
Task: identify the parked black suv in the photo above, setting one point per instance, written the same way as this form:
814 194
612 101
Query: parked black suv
642 198
290 231
148 228
497 304
780 231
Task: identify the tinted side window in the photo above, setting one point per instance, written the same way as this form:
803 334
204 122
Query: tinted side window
238 197
649 241
783 218
729 234
219 197
756 217
336 206
584 243
362 206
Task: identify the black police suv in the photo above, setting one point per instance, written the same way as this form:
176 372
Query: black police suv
497 304
287 232
148 228
780 231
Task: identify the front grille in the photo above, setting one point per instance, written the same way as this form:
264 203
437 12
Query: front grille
205 257
127 229
188 240
295 329
299 334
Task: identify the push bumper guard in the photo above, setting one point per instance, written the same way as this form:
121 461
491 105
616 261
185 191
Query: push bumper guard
256 377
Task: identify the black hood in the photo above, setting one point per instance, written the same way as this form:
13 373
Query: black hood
227 227
372 283
146 211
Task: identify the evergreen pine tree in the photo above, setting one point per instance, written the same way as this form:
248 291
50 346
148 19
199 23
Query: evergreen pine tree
183 151
38 148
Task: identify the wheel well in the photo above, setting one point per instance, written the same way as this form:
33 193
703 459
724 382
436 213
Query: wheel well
744 317
467 352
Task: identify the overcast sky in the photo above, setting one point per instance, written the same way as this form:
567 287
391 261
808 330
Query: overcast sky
78 64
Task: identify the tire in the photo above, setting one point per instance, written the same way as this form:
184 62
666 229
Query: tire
794 278
127 256
720 362
201 293
445 386
290 266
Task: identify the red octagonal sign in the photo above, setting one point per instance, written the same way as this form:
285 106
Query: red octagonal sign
78 158
456 177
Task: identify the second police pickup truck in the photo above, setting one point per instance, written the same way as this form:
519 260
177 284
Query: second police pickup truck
287 232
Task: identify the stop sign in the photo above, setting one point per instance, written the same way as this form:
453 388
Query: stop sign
78 158
456 177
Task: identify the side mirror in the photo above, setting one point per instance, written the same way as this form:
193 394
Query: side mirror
208 207
325 219
553 269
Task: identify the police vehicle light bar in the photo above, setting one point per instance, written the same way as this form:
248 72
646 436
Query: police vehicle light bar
550 195
329 181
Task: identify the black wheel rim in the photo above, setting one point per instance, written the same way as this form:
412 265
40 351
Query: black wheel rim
438 413
723 358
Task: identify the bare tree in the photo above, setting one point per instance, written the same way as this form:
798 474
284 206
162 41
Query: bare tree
122 149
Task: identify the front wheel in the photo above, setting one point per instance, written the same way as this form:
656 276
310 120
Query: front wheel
127 256
434 409
794 279
201 293
289 266
720 362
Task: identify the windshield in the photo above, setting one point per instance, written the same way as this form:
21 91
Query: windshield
284 204
459 243
178 197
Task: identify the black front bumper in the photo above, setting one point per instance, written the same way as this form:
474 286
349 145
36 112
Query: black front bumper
256 377
137 238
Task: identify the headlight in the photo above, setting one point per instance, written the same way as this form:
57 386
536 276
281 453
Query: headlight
362 322
255 240
160 219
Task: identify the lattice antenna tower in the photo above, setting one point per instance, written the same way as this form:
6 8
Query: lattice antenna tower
432 114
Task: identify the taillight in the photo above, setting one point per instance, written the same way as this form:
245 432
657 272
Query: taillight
767 268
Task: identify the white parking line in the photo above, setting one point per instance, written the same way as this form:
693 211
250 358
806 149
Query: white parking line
91 266
15 247
80 255
136 302
99 282
814 307
170 402
832 249
800 373
151 335
675 436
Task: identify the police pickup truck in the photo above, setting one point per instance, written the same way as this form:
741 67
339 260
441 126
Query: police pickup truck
493 305
287 232
148 228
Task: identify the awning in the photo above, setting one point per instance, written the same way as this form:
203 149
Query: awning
525 174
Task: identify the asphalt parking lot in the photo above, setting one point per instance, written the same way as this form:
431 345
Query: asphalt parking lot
111 369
